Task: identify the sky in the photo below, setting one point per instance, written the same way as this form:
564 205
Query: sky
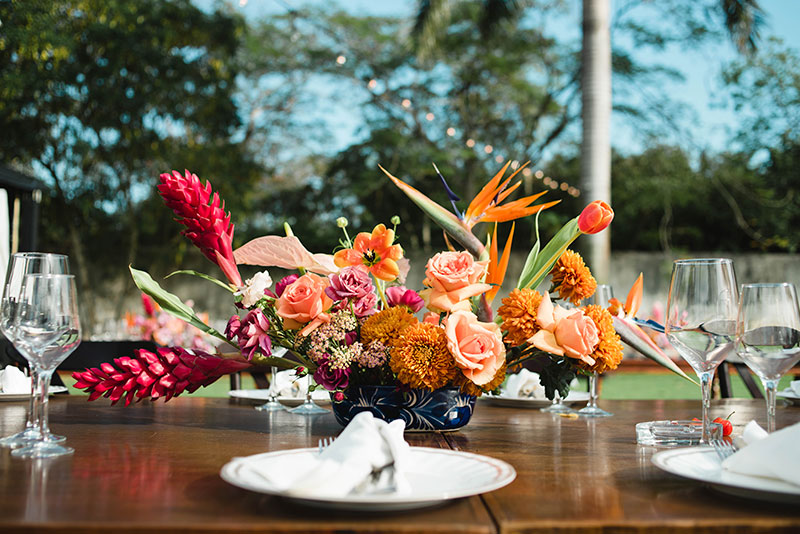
712 119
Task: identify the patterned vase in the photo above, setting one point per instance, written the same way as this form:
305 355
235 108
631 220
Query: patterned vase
422 410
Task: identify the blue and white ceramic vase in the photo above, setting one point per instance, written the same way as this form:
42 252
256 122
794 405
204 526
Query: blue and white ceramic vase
422 410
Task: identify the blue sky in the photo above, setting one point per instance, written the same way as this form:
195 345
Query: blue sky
712 121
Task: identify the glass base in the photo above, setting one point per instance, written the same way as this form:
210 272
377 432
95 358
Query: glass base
674 433
558 408
309 407
594 411
28 437
271 406
42 449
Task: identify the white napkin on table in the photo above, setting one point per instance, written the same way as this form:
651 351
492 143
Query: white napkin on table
768 455
12 380
795 386
288 385
366 443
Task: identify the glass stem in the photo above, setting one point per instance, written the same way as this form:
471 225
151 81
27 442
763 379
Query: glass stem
770 390
273 375
593 379
33 406
705 385
308 389
43 386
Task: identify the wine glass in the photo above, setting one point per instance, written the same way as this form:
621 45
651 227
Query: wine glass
602 295
701 319
20 265
272 404
309 407
768 335
47 328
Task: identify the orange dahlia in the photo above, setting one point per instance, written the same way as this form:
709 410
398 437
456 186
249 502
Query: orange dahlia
572 278
386 325
470 388
519 315
420 358
608 354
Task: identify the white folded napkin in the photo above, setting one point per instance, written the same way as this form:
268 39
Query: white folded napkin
12 380
795 386
365 444
767 455
288 385
524 384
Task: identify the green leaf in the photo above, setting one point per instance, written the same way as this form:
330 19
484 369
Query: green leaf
220 283
638 340
171 303
530 261
550 254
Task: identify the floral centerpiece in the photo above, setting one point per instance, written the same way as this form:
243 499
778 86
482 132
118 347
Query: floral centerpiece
347 319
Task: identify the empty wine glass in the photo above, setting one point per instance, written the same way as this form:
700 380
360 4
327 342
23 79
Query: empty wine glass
272 404
309 407
20 265
47 328
557 406
602 295
768 335
701 319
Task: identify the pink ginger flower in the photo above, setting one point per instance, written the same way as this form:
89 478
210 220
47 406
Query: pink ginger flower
167 373
203 215
253 334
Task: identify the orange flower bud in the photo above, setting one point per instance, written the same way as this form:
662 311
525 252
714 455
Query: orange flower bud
595 217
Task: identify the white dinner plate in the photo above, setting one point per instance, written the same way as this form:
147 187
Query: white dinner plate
25 396
319 396
529 402
703 464
435 476
790 395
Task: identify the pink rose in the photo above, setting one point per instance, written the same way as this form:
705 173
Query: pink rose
476 347
402 296
304 302
565 332
452 278
365 305
351 283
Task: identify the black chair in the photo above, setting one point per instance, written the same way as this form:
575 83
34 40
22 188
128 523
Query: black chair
94 353
724 377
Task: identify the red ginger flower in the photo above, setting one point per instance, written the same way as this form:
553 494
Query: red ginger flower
203 215
167 373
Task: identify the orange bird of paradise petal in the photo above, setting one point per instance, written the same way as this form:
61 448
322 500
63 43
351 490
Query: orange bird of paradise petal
497 268
485 207
634 299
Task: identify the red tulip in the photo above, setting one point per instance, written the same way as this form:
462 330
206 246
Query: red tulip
595 217
207 224
166 373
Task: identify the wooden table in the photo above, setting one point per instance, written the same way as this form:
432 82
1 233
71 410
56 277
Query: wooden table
155 468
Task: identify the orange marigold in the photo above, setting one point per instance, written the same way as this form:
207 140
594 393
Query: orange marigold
386 325
470 388
519 315
420 358
608 354
572 278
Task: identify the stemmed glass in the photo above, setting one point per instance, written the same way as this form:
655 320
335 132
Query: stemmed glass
701 319
47 328
20 265
602 295
309 407
272 404
768 335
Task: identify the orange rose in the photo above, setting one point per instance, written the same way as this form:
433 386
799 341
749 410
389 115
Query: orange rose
304 302
565 332
451 278
595 217
476 347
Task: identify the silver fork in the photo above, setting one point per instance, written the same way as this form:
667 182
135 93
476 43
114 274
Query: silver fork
371 481
723 448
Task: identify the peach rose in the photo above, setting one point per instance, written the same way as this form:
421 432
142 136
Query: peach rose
304 302
451 278
595 217
565 332
476 347
431 317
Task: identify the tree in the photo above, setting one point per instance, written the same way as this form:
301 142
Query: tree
105 95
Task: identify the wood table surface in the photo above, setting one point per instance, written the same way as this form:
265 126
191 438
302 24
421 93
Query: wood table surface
155 468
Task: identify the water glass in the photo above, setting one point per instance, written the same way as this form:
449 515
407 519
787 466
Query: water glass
602 296
701 319
768 335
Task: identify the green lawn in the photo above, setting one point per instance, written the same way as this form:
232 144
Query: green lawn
614 386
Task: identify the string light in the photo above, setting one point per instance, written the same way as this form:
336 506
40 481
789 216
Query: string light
526 172
539 174
515 165
451 131
429 116
406 103
499 159
341 60
372 84
488 149
470 143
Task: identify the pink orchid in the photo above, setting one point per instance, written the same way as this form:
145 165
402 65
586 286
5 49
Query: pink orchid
253 334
